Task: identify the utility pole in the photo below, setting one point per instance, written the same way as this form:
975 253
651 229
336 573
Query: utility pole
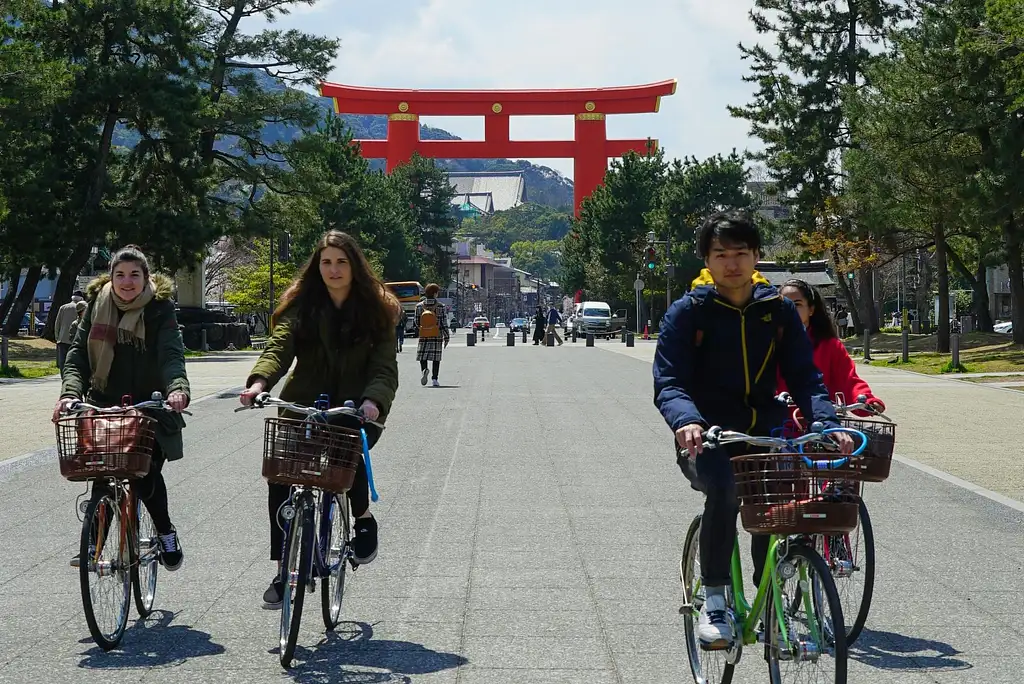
271 314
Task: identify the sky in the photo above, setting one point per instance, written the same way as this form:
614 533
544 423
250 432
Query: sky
453 44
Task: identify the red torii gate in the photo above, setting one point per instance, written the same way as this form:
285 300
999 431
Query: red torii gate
590 150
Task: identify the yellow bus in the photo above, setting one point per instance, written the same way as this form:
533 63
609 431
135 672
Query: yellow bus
409 294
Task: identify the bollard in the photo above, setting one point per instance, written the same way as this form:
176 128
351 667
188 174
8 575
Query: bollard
590 339
510 339
954 345
550 341
203 344
524 334
623 335
3 352
471 339
867 345
483 335
574 334
906 346
629 339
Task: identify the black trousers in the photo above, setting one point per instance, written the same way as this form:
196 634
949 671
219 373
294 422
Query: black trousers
151 490
435 368
358 495
711 473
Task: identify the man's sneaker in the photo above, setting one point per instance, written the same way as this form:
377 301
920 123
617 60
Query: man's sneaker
713 629
171 555
272 597
435 383
424 377
364 544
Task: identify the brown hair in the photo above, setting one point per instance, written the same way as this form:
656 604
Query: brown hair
132 253
431 290
369 313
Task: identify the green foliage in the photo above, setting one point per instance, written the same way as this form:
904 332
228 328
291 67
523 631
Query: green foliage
250 283
540 258
529 222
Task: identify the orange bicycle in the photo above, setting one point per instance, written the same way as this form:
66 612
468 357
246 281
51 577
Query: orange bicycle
119 549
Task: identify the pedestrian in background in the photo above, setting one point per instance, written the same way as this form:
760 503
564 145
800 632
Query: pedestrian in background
66 315
400 333
433 333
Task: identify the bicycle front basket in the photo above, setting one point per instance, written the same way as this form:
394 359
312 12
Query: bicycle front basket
875 462
94 444
297 452
779 494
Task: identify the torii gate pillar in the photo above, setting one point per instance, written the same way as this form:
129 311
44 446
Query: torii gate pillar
590 149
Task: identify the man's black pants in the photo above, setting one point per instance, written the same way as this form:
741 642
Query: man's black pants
711 474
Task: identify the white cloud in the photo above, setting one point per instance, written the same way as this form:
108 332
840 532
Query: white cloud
552 44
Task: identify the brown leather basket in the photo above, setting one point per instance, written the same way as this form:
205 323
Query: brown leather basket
779 494
296 452
94 444
875 462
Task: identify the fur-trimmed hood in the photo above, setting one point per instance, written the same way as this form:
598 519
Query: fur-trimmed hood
163 285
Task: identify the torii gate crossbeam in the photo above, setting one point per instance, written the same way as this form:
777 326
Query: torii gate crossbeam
590 149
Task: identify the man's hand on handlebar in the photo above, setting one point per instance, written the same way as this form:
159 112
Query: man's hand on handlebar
250 393
845 442
691 438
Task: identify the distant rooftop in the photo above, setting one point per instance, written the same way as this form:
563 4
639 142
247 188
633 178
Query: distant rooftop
488 191
812 272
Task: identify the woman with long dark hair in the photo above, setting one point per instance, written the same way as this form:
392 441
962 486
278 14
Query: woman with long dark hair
128 343
830 356
337 321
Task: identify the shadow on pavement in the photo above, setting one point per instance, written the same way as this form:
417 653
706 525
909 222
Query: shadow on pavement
152 642
890 651
378 660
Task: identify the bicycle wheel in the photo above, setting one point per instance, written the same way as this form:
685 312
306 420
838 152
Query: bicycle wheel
336 537
146 560
807 647
104 571
708 667
299 545
851 558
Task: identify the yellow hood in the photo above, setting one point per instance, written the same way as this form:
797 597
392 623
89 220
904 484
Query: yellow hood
705 279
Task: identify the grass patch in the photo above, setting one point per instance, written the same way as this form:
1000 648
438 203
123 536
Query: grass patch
29 370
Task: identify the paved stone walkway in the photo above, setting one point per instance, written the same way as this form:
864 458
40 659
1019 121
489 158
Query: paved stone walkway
531 518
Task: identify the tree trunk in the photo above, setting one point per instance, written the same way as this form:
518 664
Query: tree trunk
25 298
979 286
1012 241
943 277
12 292
69 271
868 315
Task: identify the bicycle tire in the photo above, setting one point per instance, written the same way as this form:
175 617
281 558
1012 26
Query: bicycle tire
854 629
332 593
106 641
296 567
145 597
693 649
827 585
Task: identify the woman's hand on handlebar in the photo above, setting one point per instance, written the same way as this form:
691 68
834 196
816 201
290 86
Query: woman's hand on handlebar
250 393
369 409
691 438
63 405
177 400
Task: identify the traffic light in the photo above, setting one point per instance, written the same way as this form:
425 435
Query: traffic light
284 247
652 257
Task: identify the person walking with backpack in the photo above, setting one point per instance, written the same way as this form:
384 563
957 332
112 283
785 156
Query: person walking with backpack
433 333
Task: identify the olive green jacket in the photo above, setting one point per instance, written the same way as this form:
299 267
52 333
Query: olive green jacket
364 370
160 368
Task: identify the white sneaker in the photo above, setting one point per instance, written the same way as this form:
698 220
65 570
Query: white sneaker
435 383
425 376
714 631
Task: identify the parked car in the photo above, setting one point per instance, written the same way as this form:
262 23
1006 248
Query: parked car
481 323
1004 327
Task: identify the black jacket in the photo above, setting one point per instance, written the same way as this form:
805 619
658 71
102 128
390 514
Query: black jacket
716 363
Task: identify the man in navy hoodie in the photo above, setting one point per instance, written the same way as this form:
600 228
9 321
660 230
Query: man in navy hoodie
715 364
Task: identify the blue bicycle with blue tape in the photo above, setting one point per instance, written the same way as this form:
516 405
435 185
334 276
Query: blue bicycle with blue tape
796 613
318 458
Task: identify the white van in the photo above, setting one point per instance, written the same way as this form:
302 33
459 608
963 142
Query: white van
592 317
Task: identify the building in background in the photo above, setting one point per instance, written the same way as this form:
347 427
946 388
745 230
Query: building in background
481 193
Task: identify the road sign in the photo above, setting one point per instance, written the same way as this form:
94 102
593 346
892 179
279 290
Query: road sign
638 285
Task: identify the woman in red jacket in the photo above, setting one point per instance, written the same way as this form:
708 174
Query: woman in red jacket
830 355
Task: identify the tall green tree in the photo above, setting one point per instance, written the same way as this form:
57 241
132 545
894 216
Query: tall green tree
821 54
425 189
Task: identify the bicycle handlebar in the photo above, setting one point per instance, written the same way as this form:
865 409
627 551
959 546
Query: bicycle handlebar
841 408
716 436
156 401
264 400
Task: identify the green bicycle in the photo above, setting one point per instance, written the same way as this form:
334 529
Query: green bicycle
796 613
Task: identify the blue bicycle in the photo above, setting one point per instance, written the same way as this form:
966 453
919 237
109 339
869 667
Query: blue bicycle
319 461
